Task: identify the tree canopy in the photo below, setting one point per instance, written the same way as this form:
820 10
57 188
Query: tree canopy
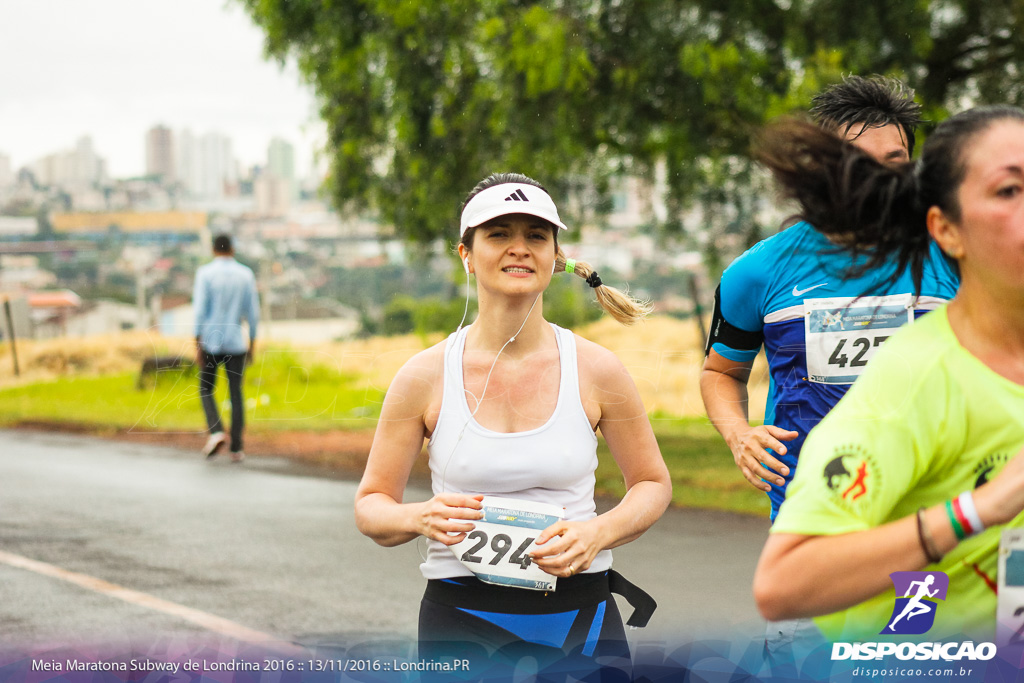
423 98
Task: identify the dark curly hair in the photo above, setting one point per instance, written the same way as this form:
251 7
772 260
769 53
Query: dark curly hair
869 209
871 102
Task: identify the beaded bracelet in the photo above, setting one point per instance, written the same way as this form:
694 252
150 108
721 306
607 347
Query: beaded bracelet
925 537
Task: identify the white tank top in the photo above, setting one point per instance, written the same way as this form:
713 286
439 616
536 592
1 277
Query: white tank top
553 464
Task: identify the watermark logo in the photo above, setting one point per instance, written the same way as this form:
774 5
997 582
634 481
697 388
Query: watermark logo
914 612
917 596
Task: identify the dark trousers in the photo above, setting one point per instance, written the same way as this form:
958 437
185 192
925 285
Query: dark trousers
234 366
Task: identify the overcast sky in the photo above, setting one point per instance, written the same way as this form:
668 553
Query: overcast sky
112 69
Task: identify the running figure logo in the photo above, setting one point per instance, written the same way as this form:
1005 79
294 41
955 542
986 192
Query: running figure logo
858 484
836 474
916 593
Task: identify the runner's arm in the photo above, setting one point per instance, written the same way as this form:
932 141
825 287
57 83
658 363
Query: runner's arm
609 390
807 576
802 576
252 311
723 387
379 510
199 301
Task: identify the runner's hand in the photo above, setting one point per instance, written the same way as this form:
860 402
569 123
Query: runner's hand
567 543
442 514
749 450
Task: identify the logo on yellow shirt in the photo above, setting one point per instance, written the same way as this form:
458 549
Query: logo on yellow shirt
851 475
985 469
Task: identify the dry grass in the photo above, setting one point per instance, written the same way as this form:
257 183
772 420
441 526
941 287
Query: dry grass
664 356
42 361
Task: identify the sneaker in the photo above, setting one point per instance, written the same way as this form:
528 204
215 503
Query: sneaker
214 444
237 456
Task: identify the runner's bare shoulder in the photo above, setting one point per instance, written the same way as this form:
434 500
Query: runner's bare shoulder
599 366
417 388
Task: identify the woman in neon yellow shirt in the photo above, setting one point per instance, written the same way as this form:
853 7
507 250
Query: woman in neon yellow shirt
916 467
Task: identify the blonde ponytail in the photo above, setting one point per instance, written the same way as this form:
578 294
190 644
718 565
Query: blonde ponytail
619 305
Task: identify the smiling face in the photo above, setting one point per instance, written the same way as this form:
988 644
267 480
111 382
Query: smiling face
987 238
513 253
887 144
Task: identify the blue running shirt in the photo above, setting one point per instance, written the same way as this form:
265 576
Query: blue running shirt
818 329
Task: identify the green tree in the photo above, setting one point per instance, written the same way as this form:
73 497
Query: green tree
569 303
399 316
422 98
434 315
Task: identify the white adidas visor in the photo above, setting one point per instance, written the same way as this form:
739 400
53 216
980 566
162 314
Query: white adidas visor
507 198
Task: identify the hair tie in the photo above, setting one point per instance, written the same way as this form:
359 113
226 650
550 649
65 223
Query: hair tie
570 265
594 281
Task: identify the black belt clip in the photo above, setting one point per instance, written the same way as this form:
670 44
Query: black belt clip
643 604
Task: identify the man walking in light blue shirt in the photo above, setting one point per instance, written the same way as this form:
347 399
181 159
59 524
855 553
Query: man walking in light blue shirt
224 295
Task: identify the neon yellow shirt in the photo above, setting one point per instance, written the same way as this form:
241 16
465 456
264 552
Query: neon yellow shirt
925 422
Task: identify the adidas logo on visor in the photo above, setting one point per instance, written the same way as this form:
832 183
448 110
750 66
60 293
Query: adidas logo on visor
492 202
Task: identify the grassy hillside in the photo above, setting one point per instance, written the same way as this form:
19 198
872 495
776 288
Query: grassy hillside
294 390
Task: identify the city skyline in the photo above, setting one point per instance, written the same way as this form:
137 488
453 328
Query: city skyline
183 156
114 69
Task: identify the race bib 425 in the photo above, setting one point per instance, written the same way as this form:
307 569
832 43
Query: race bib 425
843 333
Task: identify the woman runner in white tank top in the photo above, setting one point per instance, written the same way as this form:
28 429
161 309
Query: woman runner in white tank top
510 406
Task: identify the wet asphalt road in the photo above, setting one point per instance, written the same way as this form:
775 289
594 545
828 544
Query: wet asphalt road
273 547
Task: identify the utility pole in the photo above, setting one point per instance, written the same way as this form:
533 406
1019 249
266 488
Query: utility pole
698 310
10 332
141 285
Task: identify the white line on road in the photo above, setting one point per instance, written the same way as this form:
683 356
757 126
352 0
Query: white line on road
203 619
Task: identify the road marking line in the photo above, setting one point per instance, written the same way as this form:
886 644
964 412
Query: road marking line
204 619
